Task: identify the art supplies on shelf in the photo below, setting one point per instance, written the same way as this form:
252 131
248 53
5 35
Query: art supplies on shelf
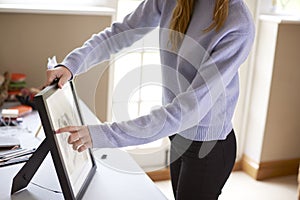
10 117
22 110
9 113
16 84
4 81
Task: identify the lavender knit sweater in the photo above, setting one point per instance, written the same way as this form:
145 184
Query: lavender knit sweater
200 81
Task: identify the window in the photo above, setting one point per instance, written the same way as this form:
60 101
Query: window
144 96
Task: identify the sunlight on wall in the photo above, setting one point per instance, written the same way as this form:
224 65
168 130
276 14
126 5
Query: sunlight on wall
287 6
293 6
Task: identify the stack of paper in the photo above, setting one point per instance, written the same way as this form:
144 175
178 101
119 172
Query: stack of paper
9 143
11 153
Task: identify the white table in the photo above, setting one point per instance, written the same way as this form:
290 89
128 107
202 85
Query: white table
117 177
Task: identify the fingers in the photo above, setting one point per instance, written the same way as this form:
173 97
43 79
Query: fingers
62 81
61 73
51 76
82 148
79 138
77 144
70 129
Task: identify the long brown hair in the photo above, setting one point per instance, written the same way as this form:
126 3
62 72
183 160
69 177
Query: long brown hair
182 14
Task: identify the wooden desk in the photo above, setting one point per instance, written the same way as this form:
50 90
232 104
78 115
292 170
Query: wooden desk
117 177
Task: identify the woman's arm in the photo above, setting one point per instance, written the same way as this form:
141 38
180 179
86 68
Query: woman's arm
113 39
100 46
205 93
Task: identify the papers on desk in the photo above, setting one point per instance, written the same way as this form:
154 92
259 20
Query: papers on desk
11 153
8 142
14 161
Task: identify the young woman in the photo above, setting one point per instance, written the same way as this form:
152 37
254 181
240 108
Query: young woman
202 45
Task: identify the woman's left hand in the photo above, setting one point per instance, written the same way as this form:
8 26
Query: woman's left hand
80 137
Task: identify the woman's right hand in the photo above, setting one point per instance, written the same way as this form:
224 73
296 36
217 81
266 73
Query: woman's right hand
62 73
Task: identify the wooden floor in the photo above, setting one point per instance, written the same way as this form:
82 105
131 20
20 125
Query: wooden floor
242 186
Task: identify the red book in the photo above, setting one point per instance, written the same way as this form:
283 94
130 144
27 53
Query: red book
23 109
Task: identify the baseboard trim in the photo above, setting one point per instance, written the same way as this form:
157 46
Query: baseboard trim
269 169
164 174
258 171
237 166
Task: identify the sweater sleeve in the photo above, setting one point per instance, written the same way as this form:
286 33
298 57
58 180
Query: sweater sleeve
189 107
113 39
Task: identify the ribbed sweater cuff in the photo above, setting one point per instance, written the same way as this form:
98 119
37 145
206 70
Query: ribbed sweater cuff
71 66
99 138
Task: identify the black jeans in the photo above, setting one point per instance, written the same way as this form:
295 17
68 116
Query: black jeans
199 170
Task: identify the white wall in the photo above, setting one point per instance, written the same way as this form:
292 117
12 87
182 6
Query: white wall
28 39
256 145
240 115
291 7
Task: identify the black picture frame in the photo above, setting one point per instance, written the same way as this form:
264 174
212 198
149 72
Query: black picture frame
72 187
